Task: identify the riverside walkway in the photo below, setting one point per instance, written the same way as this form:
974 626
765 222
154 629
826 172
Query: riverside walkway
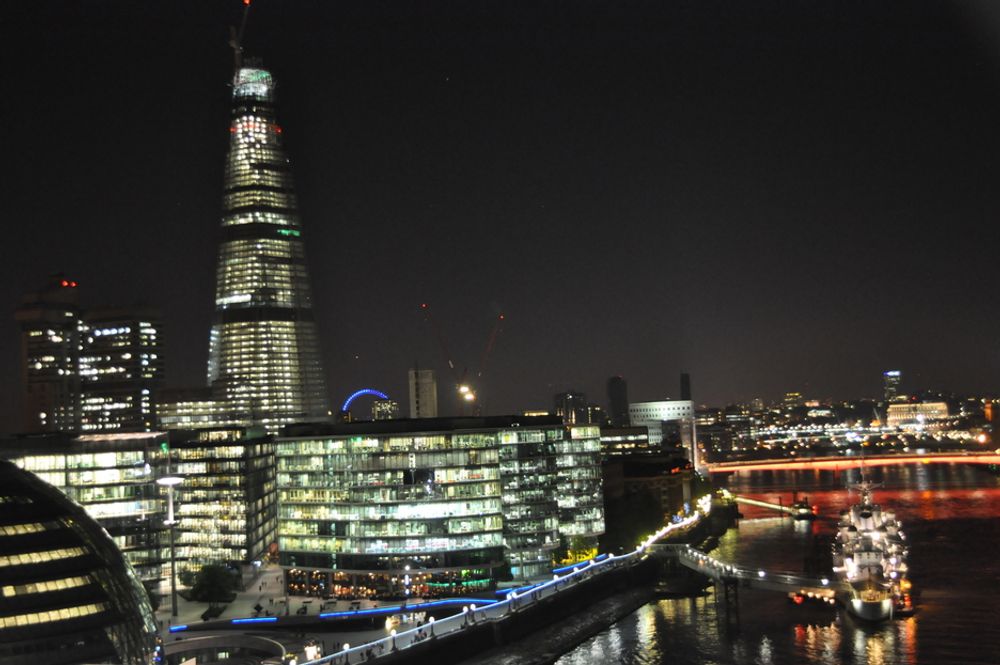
513 601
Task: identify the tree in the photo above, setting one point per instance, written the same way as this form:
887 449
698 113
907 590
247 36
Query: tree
213 584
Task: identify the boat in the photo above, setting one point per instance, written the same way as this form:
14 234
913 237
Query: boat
869 554
801 510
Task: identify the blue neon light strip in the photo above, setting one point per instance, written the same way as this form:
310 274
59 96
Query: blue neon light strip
363 391
579 564
255 620
400 609
504 592
177 629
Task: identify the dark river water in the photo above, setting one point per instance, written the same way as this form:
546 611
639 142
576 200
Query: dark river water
951 515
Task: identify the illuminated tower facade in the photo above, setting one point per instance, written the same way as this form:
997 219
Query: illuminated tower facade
264 362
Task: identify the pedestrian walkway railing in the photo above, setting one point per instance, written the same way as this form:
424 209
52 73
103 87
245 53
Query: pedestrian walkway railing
513 600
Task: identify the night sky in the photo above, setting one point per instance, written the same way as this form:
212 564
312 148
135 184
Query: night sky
769 195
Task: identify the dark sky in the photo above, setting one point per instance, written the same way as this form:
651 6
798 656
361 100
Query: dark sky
770 195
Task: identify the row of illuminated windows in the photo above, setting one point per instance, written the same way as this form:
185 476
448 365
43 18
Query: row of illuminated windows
46 586
390 546
330 505
52 615
342 448
259 197
394 528
124 458
19 529
397 461
40 557
242 174
259 217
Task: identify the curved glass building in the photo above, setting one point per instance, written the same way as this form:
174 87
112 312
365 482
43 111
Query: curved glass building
67 594
264 359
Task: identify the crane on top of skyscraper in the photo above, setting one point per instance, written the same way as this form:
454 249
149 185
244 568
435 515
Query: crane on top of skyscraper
466 392
236 39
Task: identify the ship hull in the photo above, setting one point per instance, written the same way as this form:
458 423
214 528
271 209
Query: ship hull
870 610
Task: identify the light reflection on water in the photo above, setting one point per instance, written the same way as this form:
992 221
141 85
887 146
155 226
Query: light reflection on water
951 515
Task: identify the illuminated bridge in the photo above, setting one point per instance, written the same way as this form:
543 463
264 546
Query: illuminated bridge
840 463
719 571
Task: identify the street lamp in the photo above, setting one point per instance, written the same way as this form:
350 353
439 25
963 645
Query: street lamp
170 482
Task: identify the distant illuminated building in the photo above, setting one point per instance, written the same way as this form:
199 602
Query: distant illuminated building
618 401
617 441
890 384
667 416
423 393
572 408
50 352
121 370
385 409
916 416
792 400
264 364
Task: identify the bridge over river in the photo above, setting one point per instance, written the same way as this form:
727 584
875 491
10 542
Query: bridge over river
839 463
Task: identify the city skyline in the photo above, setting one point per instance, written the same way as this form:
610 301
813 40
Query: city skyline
766 194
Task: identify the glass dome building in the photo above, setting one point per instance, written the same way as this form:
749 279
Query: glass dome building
67 594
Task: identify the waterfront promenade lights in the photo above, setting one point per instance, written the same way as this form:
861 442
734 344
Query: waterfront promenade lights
393 633
430 622
170 482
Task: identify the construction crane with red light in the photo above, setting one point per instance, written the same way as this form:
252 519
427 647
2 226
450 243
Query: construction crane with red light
466 392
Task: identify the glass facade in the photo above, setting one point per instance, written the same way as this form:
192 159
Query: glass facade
432 506
578 486
364 511
264 360
531 514
226 504
113 478
66 593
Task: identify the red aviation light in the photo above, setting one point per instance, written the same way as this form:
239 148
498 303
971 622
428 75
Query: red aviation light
64 283
246 2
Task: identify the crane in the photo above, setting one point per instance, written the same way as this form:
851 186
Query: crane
236 39
466 392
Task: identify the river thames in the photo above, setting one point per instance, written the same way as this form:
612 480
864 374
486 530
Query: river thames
951 515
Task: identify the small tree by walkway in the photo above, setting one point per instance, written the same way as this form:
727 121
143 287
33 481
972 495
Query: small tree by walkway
213 584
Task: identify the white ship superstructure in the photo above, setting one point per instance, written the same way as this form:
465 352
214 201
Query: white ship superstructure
869 553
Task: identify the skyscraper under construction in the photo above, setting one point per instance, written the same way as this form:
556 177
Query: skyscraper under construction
264 361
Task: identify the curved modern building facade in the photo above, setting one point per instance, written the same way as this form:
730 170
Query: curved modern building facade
68 594
264 358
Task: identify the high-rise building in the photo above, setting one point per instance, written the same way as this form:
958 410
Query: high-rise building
890 384
121 370
572 408
385 409
423 393
50 354
685 386
264 359
618 401
668 417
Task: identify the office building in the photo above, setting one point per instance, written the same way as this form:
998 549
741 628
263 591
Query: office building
578 485
432 506
890 384
917 416
69 596
121 370
619 441
113 477
264 365
423 393
618 401
226 505
572 408
385 409
667 417
685 386
50 352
